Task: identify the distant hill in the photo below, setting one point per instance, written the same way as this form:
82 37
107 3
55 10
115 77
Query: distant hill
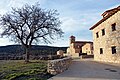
35 50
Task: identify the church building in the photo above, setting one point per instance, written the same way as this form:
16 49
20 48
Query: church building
76 48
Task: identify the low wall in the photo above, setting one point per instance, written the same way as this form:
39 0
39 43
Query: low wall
58 65
86 56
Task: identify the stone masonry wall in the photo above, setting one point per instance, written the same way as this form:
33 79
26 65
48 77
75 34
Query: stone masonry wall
87 48
59 65
111 38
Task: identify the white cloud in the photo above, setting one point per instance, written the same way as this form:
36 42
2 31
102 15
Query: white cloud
71 25
2 11
6 5
83 22
20 3
5 41
61 43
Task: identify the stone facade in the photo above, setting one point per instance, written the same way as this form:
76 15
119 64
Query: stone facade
58 65
87 48
60 53
78 47
106 37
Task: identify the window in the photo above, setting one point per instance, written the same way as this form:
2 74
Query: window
103 32
113 27
97 35
92 48
113 49
101 50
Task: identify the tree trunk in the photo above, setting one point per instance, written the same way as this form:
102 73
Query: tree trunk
26 55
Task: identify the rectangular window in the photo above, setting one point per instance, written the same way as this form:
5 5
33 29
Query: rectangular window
101 50
113 27
113 49
97 35
103 32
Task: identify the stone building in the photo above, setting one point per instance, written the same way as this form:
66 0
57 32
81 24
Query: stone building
79 47
60 53
106 37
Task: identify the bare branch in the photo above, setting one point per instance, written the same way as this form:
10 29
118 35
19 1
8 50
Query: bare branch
31 23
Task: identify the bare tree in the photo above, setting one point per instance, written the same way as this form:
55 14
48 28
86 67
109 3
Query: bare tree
31 24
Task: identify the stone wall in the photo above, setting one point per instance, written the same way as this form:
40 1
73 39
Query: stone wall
58 65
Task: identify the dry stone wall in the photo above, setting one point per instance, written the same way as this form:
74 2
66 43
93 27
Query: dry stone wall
58 65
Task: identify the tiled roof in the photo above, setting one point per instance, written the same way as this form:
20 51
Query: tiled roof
106 15
72 36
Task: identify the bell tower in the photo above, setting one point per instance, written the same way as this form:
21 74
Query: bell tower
72 39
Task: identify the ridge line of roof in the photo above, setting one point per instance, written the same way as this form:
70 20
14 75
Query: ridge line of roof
115 10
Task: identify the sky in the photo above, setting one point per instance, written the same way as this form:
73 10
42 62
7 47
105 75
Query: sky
77 16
